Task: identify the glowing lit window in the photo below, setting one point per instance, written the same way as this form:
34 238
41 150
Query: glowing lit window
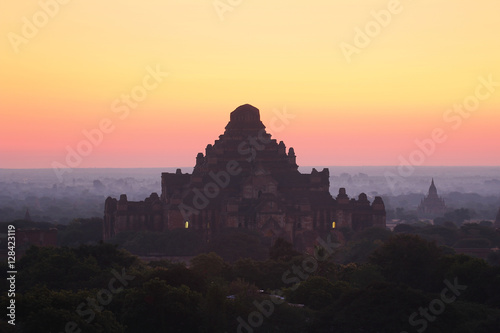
333 225
186 224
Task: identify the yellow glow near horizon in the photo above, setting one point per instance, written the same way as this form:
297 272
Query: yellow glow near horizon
370 110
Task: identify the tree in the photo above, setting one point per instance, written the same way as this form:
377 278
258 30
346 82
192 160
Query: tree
373 234
477 230
441 234
235 243
158 307
358 251
248 270
458 216
178 274
409 259
81 231
176 242
72 268
317 292
494 258
214 308
475 243
386 307
209 265
485 223
282 250
373 305
44 310
361 276
481 279
404 228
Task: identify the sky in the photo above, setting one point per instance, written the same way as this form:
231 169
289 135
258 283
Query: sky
129 83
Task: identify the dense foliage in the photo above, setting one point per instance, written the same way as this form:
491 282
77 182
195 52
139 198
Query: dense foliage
379 281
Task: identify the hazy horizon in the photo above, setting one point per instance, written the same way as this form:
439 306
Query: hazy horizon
300 166
385 180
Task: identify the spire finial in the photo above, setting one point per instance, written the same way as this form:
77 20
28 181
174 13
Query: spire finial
432 188
27 216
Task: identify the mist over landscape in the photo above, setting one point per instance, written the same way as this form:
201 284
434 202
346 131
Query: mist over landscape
83 191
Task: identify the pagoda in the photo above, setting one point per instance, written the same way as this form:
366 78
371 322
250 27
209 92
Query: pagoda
432 205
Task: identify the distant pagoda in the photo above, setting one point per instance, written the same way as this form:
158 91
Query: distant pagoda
432 205
497 221
27 216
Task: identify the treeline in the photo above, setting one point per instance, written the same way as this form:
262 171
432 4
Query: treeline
232 244
78 231
401 283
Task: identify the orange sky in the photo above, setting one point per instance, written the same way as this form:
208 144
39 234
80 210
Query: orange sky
356 99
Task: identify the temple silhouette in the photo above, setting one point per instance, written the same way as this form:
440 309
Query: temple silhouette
246 179
432 205
497 220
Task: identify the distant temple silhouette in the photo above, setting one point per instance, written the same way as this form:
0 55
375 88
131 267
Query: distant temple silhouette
432 205
497 221
27 216
246 180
